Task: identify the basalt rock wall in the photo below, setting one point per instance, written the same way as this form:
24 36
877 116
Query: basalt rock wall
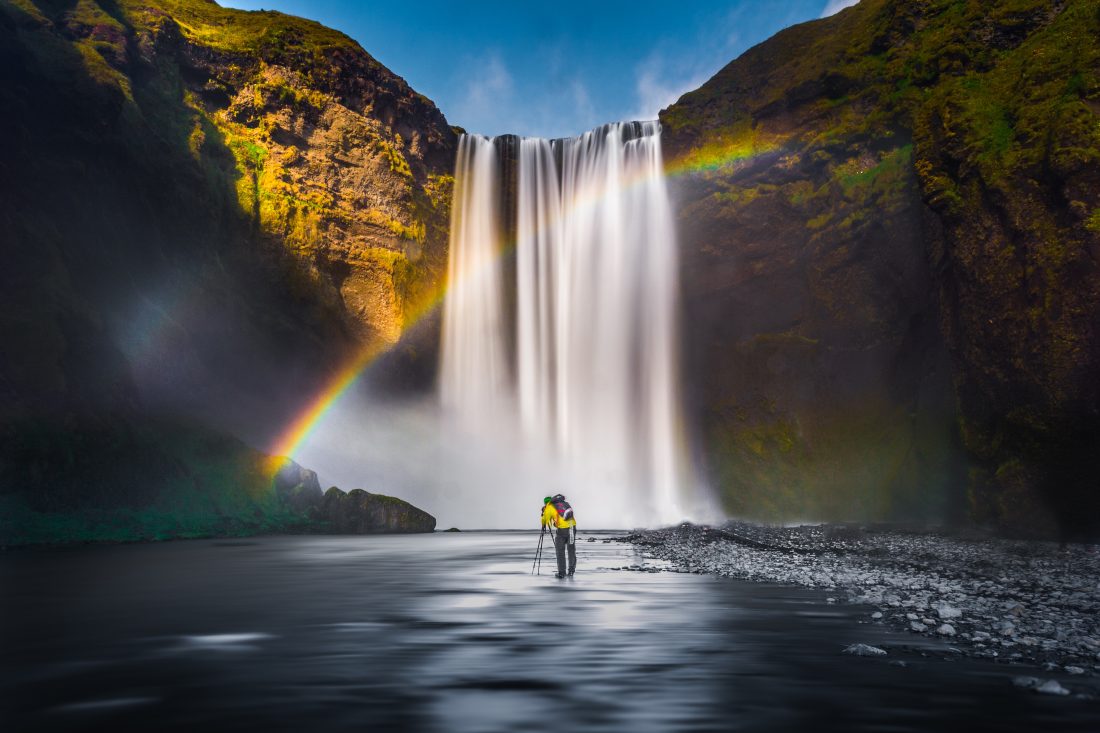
891 223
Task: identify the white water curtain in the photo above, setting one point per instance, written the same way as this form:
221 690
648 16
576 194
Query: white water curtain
592 379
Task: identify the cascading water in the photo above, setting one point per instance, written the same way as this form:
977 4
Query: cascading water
589 374
474 376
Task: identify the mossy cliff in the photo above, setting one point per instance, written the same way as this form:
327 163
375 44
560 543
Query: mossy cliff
205 212
891 249
120 481
180 130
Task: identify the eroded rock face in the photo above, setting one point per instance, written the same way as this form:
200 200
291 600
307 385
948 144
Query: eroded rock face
206 212
252 190
352 175
890 264
361 512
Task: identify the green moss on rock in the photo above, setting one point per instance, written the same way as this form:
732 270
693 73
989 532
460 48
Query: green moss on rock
964 131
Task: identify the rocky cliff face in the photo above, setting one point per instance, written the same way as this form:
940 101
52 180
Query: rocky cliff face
191 184
891 250
204 213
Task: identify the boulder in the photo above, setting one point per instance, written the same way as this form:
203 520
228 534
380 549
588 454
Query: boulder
947 611
361 512
1051 687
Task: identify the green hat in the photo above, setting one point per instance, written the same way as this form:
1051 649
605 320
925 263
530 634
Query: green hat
546 500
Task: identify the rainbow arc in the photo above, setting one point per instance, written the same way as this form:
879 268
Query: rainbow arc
713 157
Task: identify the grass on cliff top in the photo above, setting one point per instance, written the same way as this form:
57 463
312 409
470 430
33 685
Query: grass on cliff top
226 29
873 67
244 31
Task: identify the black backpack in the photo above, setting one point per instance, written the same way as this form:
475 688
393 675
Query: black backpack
564 510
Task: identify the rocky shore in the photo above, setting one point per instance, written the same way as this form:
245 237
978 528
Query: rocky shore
1023 601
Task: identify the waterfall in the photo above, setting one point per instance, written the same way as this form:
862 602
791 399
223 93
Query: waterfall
474 378
580 356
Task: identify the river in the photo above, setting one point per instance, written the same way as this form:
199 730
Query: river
452 632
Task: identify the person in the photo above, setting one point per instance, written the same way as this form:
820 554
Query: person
558 516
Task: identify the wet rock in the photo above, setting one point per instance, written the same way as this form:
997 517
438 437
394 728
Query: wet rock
946 630
361 512
946 611
1002 597
1051 687
864 650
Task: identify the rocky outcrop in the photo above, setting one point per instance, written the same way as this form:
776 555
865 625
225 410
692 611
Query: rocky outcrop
338 512
890 268
297 487
361 512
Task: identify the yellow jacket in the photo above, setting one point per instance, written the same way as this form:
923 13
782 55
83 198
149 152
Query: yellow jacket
550 518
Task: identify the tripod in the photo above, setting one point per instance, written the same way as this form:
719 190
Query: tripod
538 553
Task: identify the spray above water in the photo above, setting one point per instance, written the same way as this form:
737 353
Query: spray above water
573 344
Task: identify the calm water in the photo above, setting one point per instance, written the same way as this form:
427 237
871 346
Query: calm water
450 632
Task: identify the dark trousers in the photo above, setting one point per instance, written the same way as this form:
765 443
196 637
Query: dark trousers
564 538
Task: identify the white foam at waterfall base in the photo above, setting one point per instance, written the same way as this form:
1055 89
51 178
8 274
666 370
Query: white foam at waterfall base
583 396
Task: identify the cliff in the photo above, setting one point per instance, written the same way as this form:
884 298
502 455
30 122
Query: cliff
163 480
891 246
209 184
205 213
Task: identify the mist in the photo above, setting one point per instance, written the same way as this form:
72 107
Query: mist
467 478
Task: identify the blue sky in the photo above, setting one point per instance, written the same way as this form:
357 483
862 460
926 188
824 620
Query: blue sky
553 70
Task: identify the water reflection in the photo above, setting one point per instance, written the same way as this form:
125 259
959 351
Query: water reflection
451 632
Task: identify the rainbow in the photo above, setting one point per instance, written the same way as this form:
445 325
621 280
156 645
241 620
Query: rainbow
723 152
298 431
714 156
